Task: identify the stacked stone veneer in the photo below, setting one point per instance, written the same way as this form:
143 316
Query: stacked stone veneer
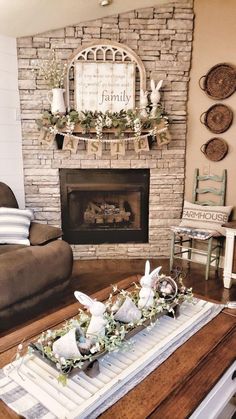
162 37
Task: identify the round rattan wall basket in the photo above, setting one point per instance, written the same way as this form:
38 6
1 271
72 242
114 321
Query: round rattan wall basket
220 81
218 118
215 149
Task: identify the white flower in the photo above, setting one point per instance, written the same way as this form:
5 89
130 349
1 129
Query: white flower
95 348
137 127
53 130
108 121
53 71
70 126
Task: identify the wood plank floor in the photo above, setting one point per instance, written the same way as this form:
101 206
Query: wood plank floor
90 276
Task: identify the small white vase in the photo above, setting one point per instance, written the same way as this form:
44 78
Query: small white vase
128 312
66 346
56 99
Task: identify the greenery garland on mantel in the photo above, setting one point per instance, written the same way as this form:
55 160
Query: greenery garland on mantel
120 123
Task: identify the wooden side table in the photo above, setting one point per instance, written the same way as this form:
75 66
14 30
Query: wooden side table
230 254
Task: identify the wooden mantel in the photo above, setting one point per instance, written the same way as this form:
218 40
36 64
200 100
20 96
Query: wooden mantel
78 129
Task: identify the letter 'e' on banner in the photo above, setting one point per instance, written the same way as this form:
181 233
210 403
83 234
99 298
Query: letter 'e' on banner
141 145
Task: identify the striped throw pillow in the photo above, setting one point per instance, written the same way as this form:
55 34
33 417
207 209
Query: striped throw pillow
14 225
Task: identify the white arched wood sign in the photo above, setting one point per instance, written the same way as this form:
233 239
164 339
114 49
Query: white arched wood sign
104 75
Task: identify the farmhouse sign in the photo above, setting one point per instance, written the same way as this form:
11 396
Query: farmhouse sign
104 86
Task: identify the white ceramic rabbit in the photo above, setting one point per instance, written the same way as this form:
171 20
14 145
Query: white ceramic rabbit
147 281
97 323
143 103
155 96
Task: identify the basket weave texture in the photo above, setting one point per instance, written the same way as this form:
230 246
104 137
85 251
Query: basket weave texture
218 118
215 149
220 81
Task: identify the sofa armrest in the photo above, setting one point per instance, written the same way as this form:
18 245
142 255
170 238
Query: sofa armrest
43 233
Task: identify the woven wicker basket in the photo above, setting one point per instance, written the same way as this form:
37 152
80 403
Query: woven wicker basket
218 118
220 81
215 149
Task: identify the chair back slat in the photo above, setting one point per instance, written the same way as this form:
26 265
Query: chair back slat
215 178
206 203
218 192
214 191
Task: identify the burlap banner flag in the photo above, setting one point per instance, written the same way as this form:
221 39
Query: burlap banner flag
94 147
70 143
162 125
141 145
163 137
117 148
46 138
42 135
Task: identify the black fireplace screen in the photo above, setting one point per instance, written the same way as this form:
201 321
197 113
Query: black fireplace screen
104 205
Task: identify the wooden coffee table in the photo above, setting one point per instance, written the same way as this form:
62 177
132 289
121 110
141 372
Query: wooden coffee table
175 388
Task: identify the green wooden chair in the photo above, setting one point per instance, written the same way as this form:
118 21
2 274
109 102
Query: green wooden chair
183 243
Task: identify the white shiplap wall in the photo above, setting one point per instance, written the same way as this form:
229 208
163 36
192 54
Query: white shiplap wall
11 164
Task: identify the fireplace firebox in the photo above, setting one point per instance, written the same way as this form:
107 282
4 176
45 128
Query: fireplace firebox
104 205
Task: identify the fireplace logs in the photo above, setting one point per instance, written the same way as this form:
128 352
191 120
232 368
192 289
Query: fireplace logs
106 213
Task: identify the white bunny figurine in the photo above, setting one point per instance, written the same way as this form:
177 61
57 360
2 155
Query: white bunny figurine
143 103
97 323
155 96
147 281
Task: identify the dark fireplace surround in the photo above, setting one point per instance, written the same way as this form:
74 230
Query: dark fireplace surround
104 205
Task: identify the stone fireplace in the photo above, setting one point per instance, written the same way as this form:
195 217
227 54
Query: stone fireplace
104 205
162 38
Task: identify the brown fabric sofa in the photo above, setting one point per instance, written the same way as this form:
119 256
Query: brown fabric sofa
29 274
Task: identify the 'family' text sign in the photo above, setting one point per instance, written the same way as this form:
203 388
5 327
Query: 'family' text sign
105 86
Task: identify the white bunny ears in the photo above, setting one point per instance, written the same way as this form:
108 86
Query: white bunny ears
149 277
84 299
147 268
95 307
154 87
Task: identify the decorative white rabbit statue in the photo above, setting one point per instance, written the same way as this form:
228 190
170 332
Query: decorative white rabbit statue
97 323
155 96
147 281
143 103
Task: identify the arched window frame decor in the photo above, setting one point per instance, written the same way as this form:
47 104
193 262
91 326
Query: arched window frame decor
109 51
147 121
